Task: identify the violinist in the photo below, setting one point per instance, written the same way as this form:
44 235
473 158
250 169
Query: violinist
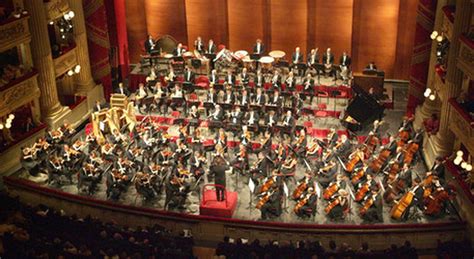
241 161
300 144
306 205
313 149
336 185
236 116
28 161
280 155
213 79
115 184
89 176
164 157
183 132
308 87
160 94
276 80
265 144
229 97
338 205
197 162
219 167
372 206
407 124
290 82
176 192
259 170
244 98
289 123
55 169
196 140
67 131
399 156
270 203
156 171
271 119
332 138
194 120
276 99
343 147
182 152
221 139
289 166
245 137
259 79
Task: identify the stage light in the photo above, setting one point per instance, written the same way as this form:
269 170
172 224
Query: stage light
469 168
433 35
61 30
71 14
457 161
459 153
70 73
439 38
77 69
432 97
463 165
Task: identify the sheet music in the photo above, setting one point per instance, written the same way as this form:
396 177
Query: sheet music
285 189
318 190
102 126
251 185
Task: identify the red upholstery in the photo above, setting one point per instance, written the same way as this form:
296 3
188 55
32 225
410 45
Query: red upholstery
202 82
308 124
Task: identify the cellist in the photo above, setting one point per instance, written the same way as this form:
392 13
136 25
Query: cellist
271 202
306 205
338 205
372 206
303 184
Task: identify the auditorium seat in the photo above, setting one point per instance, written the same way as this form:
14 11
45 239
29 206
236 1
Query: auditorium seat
174 116
321 111
202 82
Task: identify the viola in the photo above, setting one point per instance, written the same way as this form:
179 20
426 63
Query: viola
353 162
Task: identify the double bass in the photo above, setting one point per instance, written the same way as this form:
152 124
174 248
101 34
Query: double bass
400 207
410 151
264 200
434 202
377 163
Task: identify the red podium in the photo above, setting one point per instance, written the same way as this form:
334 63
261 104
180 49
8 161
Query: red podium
210 206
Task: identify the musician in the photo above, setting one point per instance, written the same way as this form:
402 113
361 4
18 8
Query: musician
244 98
313 57
374 212
178 98
229 97
276 80
176 192
297 57
28 161
332 138
309 208
241 161
313 149
211 47
164 157
189 75
309 181
343 147
259 98
289 123
259 48
342 203
392 145
171 77
199 45
406 175
197 162
296 103
328 61
407 124
143 185
276 99
259 79
160 94
308 85
252 118
213 77
289 166
221 139
345 60
140 94
290 82
89 177
300 144
260 169
437 169
244 77
271 119
219 168
150 44
272 208
179 50
230 78
115 184
218 114
328 174
399 155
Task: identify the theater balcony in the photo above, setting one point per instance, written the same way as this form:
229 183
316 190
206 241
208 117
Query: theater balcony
55 8
14 32
66 61
448 20
462 125
466 56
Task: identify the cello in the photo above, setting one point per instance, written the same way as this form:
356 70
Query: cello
357 175
434 202
264 200
332 205
410 151
354 159
366 206
400 207
331 190
360 194
377 163
300 189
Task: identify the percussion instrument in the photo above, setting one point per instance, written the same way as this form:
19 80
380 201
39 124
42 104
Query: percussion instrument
240 54
277 54
267 62
188 54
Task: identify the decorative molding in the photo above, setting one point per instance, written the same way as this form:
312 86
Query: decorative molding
14 33
65 62
439 86
461 126
18 95
466 57
447 27
55 9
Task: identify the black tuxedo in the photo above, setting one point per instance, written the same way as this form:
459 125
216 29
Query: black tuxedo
259 80
298 59
189 76
308 84
211 97
325 58
236 117
276 102
211 49
231 80
259 100
178 52
148 45
316 59
245 79
346 63
199 46
255 118
290 86
275 119
229 98
124 91
262 49
242 101
214 79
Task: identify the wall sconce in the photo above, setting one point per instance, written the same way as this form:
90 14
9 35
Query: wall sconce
438 36
459 161
430 94
69 15
75 70
8 122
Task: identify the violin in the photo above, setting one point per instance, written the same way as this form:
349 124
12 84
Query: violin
264 200
357 176
331 190
366 206
377 163
400 207
267 185
300 140
332 205
403 137
360 194
300 189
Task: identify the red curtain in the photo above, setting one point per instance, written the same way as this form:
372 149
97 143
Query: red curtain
98 42
421 53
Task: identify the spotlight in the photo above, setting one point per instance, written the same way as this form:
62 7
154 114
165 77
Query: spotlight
70 73
77 69
459 153
71 14
432 97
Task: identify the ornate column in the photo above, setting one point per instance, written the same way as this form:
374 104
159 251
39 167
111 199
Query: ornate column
462 20
51 109
83 80
428 107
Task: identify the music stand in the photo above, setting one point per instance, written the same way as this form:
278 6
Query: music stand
255 56
219 87
226 106
147 103
210 56
178 59
188 87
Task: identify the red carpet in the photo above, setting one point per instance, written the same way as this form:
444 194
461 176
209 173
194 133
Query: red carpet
211 207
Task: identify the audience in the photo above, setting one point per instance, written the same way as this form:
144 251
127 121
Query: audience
9 73
431 124
42 232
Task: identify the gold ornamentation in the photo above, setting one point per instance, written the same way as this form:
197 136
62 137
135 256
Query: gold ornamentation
18 95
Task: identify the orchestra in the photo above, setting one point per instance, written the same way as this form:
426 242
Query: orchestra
254 129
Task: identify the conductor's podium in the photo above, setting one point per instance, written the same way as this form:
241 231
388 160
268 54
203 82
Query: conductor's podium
211 207
119 101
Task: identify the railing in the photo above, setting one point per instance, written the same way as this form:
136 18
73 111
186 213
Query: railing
448 21
18 93
466 56
14 32
462 125
21 137
453 169
22 78
65 61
